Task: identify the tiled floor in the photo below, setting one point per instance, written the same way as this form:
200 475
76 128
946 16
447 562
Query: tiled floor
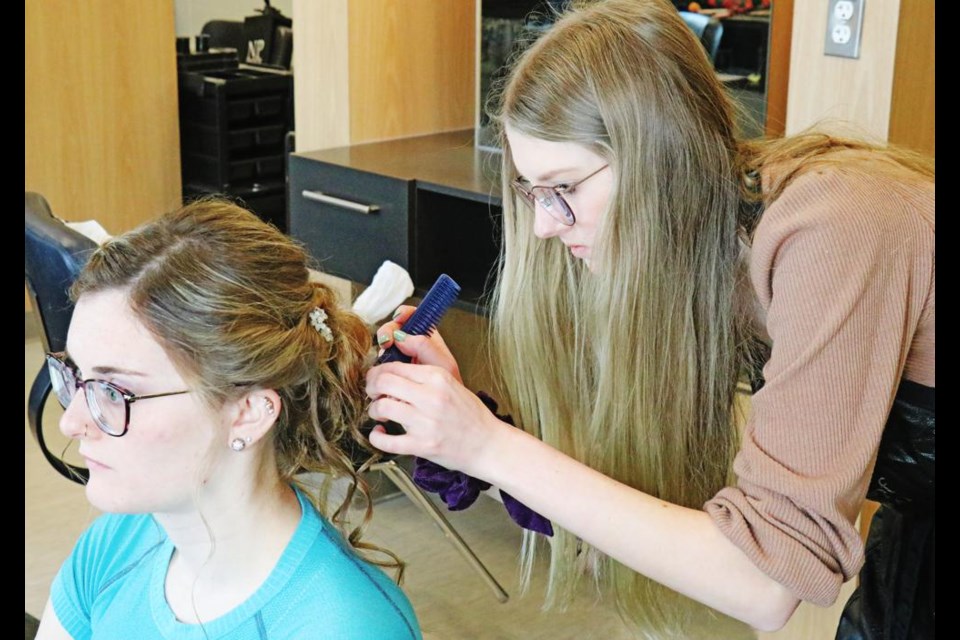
451 601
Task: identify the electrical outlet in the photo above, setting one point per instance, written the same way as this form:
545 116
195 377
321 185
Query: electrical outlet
844 24
843 10
841 34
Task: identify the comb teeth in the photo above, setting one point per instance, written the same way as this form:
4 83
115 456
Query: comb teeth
425 319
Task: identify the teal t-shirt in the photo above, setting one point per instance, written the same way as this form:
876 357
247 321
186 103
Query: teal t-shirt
112 586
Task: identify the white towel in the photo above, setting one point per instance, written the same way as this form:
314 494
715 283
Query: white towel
390 287
92 229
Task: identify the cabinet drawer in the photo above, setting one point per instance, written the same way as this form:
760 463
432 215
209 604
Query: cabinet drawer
349 220
240 143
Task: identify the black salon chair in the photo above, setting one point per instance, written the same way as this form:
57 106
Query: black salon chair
53 255
225 33
230 33
281 53
707 28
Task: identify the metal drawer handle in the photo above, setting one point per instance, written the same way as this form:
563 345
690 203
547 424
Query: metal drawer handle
319 196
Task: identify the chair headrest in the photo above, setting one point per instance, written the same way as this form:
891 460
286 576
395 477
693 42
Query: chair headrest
53 255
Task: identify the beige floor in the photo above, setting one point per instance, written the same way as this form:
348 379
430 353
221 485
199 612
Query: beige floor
451 601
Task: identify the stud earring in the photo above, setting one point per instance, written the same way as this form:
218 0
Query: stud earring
268 403
239 444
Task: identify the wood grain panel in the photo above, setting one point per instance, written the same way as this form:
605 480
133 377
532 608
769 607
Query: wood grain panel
836 91
101 128
913 110
412 67
321 77
866 516
778 67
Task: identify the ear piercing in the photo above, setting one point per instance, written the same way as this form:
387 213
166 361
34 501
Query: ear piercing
239 444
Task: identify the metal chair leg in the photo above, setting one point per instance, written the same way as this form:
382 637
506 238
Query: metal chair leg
405 483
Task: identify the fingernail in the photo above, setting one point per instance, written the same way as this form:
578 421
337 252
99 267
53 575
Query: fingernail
382 338
399 336
396 314
380 353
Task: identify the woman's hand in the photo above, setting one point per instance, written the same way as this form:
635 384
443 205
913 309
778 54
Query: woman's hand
443 420
434 352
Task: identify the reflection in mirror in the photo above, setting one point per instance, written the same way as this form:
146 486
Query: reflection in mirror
749 62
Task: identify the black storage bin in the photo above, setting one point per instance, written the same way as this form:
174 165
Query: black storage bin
241 142
233 121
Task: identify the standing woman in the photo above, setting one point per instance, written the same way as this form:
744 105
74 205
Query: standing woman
651 263
204 370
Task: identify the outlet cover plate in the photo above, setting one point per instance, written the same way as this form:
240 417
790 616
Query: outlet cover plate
844 24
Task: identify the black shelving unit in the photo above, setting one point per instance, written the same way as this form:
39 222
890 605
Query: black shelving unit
233 122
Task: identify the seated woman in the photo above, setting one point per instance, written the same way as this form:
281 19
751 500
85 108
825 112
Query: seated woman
212 372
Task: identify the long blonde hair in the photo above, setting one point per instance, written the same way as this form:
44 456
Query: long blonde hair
632 371
229 297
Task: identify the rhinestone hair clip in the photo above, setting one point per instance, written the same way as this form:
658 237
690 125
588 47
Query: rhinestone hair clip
318 318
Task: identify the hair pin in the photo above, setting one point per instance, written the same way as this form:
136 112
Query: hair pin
318 318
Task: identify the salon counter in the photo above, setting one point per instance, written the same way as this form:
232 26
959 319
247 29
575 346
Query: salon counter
429 203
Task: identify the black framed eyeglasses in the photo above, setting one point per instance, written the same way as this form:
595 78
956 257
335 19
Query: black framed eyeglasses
551 197
109 404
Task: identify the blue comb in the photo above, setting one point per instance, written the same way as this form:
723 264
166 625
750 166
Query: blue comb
424 320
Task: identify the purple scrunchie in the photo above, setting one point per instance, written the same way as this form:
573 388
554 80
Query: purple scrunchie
458 490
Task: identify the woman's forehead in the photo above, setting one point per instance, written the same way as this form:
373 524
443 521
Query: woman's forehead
540 160
106 334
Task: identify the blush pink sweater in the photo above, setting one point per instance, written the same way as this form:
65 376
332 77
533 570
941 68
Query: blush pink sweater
843 266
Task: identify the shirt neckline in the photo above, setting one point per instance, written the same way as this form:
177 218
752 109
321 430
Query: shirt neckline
291 558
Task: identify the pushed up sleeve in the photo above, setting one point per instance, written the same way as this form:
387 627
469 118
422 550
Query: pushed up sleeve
842 266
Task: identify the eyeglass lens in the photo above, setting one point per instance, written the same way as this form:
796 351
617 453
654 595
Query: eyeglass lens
107 405
551 201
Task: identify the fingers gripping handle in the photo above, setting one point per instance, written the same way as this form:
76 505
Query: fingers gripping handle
422 323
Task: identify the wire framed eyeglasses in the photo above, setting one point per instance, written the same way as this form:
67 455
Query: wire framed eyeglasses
109 404
551 197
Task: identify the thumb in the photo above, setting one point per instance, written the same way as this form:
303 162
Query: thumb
414 346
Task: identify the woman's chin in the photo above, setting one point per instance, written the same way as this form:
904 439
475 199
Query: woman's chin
108 499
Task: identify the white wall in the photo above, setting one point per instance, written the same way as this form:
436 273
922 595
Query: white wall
191 15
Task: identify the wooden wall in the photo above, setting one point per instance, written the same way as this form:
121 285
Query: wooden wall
101 137
778 67
100 109
912 111
888 93
827 88
378 69
322 74
411 67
